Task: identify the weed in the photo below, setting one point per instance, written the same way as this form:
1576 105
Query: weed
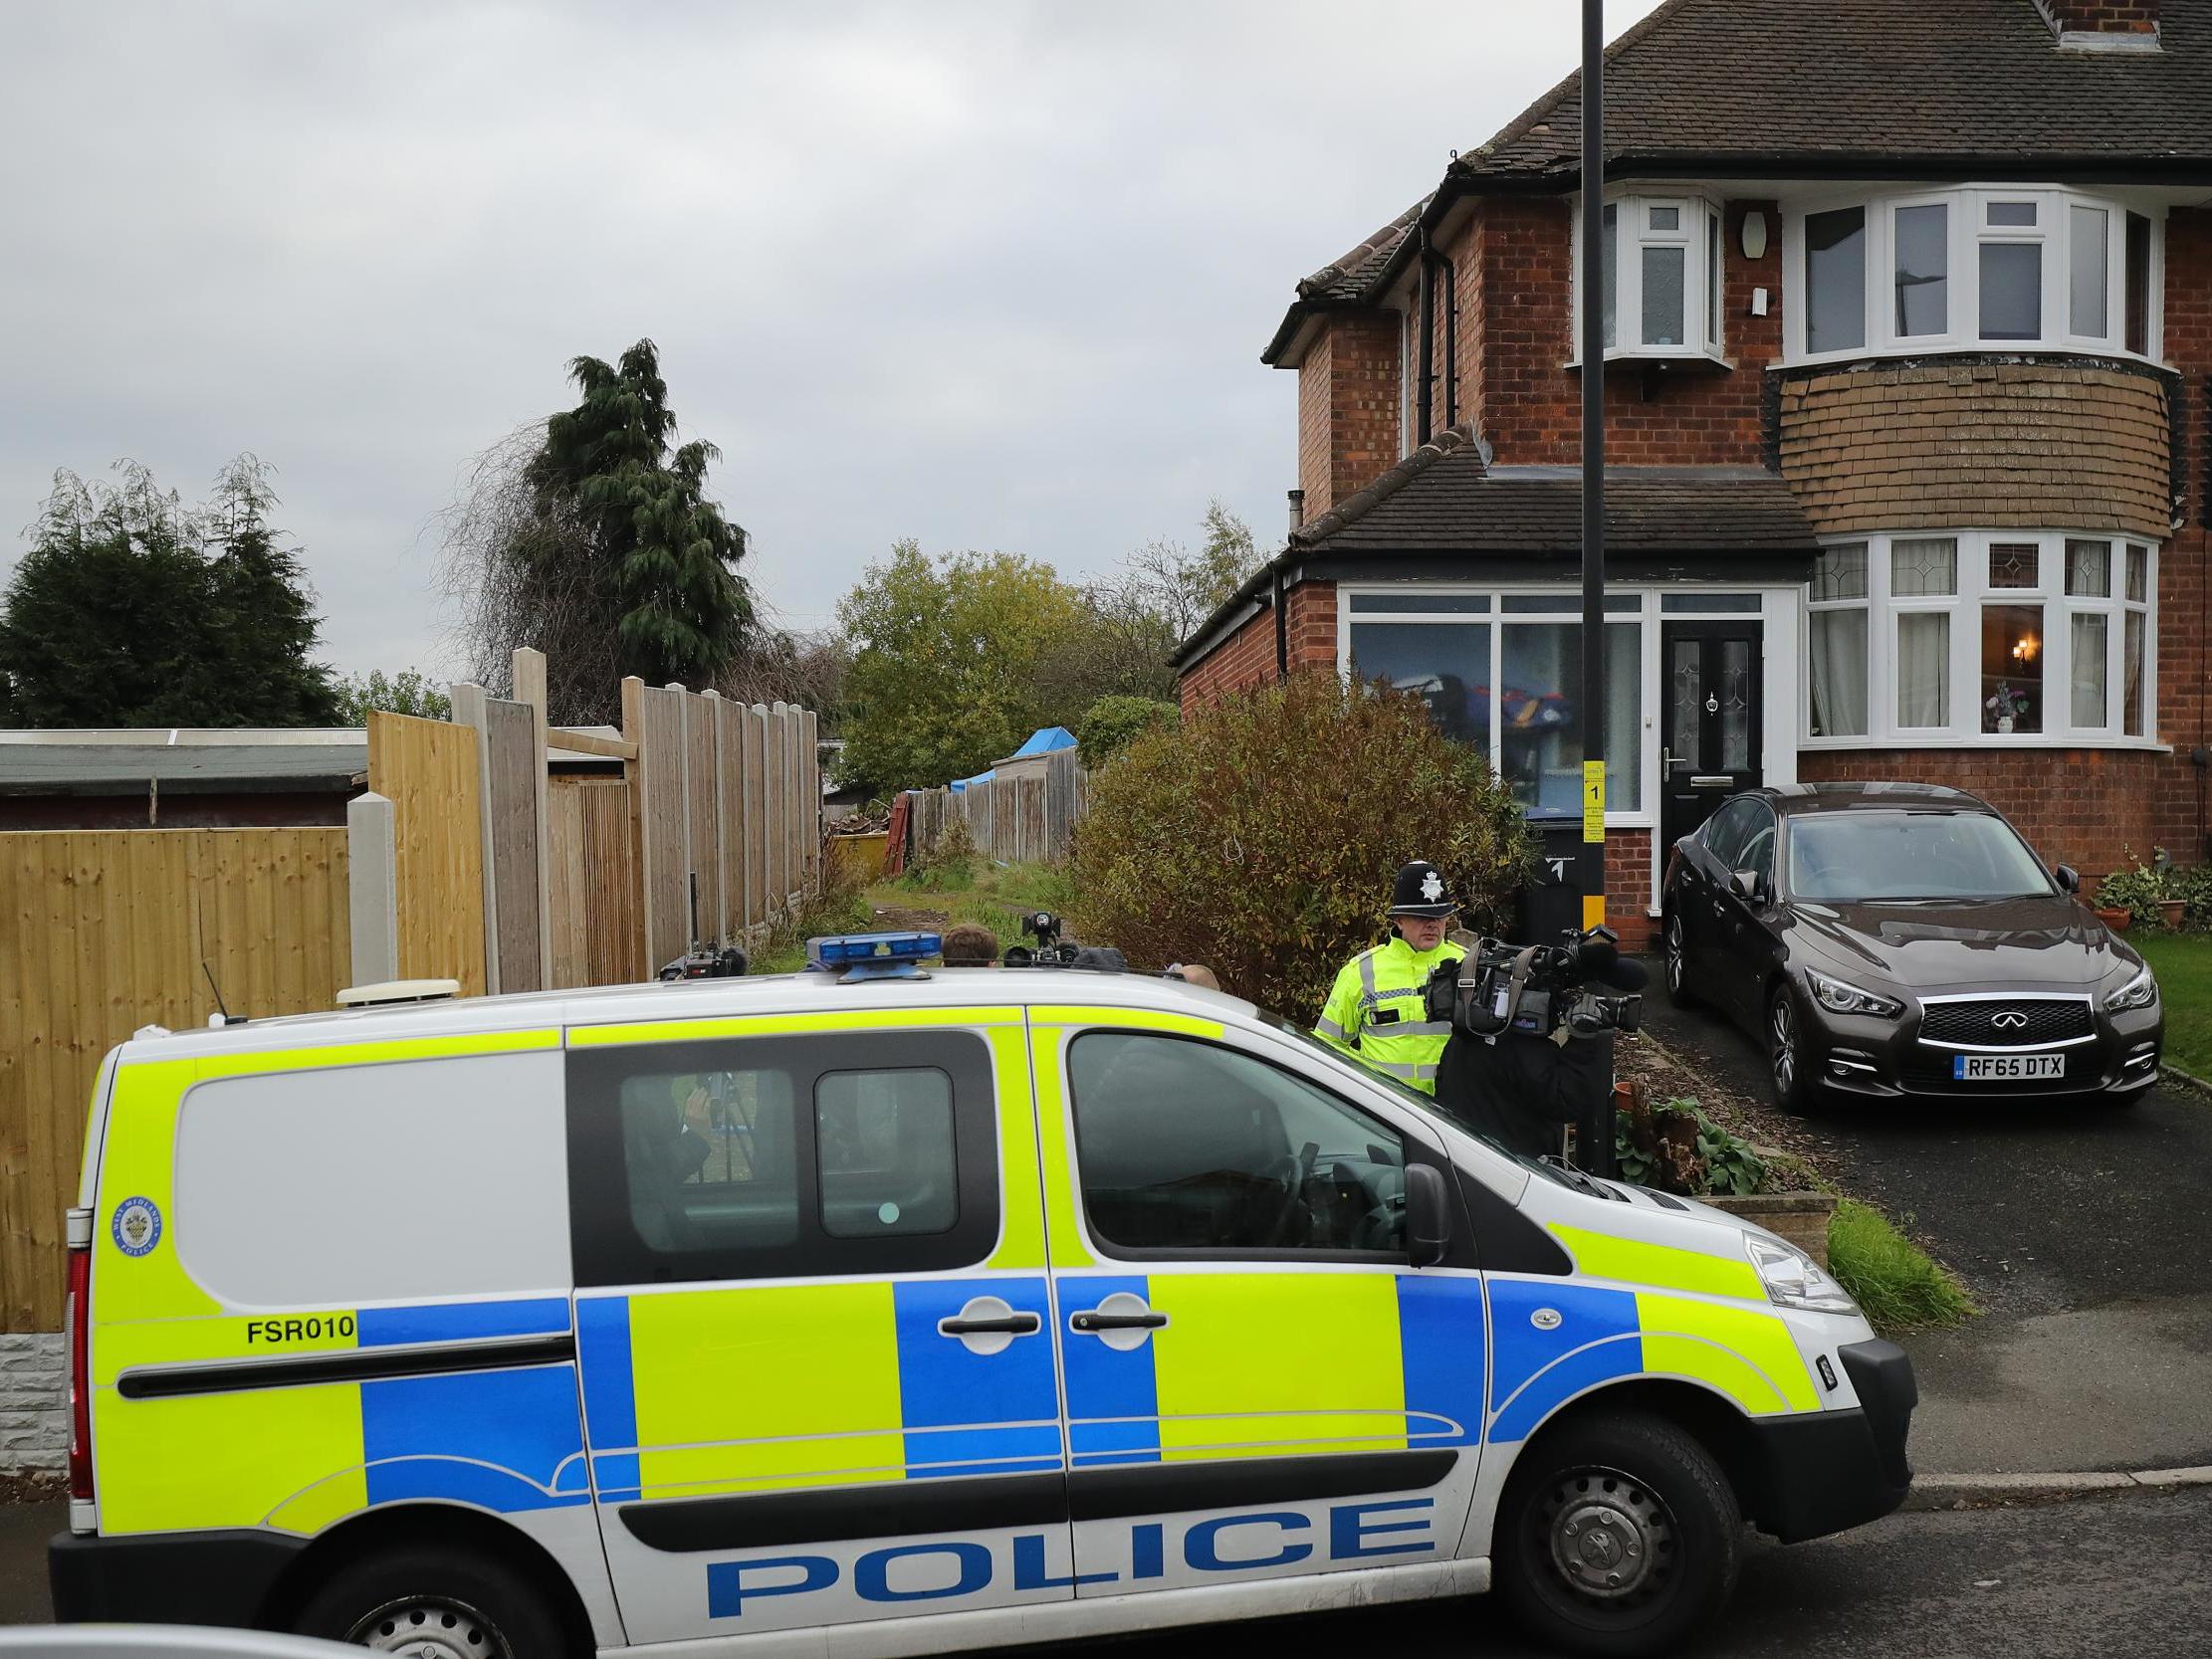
1896 1283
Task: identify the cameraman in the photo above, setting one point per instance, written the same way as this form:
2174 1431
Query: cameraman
1375 1011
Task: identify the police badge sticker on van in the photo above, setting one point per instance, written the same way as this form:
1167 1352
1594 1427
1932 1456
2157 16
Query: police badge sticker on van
136 1227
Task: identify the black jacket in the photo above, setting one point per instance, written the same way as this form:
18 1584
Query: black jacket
1522 1090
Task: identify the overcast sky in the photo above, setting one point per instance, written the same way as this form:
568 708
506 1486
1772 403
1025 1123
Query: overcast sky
996 276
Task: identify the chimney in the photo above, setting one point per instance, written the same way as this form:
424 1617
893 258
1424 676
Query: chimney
1298 508
2104 25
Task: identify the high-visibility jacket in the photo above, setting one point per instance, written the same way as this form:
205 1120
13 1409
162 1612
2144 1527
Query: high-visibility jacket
1375 1012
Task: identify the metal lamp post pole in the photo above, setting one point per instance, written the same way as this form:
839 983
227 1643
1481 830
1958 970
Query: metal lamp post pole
1596 1153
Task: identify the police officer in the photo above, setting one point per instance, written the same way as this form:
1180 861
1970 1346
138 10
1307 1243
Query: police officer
1375 1010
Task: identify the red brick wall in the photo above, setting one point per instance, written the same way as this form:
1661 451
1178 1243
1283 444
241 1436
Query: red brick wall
2125 17
1248 657
2185 616
1348 407
1528 404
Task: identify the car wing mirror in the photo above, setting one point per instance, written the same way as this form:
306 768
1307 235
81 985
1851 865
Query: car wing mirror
1748 886
2069 879
1428 1214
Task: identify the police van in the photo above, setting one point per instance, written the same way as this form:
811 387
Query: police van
864 1316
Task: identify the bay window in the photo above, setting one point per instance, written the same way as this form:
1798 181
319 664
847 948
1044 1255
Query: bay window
1980 636
1958 270
1659 277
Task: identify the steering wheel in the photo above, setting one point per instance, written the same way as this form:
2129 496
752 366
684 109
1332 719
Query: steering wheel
1294 1174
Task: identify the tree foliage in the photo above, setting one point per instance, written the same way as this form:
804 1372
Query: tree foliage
133 609
1261 837
1112 724
593 538
948 655
410 691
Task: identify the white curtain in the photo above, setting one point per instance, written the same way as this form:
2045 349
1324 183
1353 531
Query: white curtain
2092 632
1924 668
1839 674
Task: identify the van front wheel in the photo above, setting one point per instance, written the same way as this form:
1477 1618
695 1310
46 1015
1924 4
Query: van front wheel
436 1604
1618 1536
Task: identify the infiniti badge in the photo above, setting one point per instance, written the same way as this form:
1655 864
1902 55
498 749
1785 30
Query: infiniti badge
2010 1018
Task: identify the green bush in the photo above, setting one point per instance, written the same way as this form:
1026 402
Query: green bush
2139 889
1112 724
1673 1147
1896 1283
1261 837
950 866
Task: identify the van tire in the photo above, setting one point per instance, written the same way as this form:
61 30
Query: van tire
467 1604
1665 1496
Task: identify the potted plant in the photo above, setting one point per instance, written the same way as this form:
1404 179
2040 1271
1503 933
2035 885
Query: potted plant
2005 706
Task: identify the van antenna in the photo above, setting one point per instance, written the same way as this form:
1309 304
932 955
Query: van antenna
228 1018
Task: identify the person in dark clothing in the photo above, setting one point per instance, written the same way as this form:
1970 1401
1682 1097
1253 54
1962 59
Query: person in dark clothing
1521 1091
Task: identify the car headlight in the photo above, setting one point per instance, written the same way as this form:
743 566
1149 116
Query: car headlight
1840 998
1794 1280
2139 993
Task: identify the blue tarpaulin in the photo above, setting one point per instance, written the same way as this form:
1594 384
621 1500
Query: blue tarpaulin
1045 741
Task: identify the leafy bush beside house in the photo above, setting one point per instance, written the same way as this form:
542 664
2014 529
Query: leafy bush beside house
1112 724
1261 837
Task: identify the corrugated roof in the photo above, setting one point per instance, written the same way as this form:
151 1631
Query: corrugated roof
107 767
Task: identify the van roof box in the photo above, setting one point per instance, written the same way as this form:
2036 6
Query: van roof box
399 991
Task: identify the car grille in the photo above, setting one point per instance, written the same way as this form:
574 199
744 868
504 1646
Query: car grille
2005 1022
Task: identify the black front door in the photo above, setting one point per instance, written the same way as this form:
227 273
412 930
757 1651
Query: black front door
1711 673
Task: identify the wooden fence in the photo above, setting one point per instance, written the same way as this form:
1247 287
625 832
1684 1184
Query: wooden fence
1025 814
102 931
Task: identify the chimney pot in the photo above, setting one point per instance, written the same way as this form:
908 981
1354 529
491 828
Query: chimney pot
1297 508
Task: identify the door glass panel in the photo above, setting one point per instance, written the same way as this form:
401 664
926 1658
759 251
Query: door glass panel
2091 633
1758 852
1924 266
711 1160
886 1153
1185 1146
1734 692
1924 669
2012 668
1685 698
1444 664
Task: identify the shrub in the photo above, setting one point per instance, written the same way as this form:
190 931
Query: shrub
1261 837
1896 1283
1111 724
950 865
1673 1147
2139 888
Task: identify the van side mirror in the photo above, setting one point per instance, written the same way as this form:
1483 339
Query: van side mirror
1428 1214
1749 886
2069 879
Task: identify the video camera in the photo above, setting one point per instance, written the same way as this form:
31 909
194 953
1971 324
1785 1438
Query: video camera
1053 951
703 961
1536 989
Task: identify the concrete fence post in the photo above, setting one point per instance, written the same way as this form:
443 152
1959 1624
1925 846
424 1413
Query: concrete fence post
372 888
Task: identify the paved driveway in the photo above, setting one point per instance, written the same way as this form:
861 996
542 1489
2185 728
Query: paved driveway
2083 1231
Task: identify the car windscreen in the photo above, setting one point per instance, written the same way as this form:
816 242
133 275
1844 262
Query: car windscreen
1857 857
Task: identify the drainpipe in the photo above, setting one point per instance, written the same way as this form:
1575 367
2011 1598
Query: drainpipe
1283 630
1451 343
1424 398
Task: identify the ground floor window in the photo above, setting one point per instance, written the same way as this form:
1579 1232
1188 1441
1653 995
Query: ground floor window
1981 635
1503 671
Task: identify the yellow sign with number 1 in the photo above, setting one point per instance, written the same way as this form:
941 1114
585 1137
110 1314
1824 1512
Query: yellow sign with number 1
1593 832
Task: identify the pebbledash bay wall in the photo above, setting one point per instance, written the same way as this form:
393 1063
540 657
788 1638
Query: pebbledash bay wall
34 1403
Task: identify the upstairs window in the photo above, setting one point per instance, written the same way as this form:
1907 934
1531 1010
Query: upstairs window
1974 269
1660 281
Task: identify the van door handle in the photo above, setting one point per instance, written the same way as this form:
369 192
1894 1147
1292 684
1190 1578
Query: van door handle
1092 1319
1010 1325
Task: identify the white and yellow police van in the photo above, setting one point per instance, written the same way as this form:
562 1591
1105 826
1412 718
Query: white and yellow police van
888 1318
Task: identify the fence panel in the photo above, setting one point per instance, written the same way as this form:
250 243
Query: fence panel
702 814
428 770
730 817
753 728
658 732
600 931
104 930
512 767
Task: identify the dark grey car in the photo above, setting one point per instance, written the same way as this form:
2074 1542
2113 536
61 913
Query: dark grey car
1900 939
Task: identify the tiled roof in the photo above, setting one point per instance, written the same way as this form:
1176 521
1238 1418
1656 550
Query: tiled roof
1346 276
1774 81
1445 498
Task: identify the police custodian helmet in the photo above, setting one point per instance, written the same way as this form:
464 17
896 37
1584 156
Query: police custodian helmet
1419 890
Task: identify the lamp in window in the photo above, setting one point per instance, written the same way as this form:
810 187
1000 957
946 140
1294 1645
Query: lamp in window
2024 650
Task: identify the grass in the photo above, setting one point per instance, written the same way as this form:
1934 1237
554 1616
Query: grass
1895 1281
993 895
2184 963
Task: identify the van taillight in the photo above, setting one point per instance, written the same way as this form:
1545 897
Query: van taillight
76 1320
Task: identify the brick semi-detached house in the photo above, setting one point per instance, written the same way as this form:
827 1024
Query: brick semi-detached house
1908 394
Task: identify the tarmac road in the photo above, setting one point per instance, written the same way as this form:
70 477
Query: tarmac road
2082 1230
2102 1576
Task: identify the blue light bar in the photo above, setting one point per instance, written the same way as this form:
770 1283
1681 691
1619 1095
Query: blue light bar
873 955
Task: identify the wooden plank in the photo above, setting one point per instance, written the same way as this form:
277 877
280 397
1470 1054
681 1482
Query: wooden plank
661 828
514 769
430 772
756 733
702 818
589 742
730 820
810 797
564 853
614 912
528 676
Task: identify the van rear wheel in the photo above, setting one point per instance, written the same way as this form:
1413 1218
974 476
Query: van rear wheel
436 1604
1618 1536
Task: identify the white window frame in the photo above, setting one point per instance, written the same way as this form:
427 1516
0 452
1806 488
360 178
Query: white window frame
1702 308
1967 228
1865 606
1962 724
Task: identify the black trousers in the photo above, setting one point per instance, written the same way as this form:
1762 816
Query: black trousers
1522 1090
